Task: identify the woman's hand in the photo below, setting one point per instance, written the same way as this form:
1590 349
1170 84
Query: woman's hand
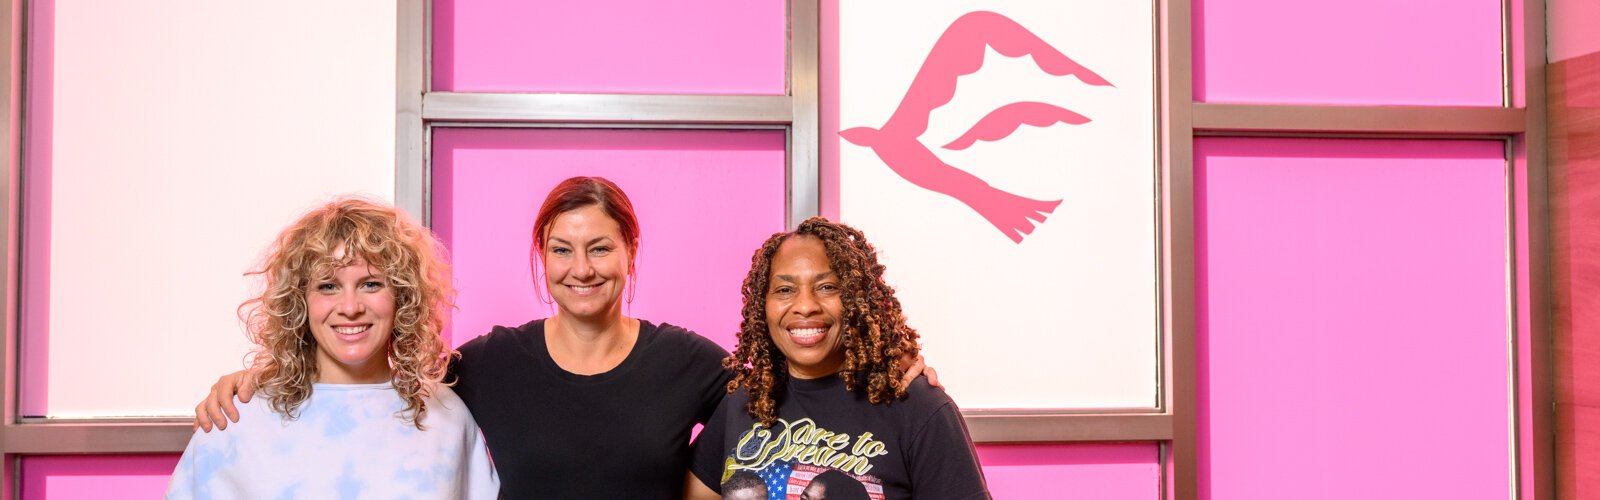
914 366
218 409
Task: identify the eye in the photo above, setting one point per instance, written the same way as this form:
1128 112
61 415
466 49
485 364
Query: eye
783 290
372 285
561 251
325 287
600 250
828 287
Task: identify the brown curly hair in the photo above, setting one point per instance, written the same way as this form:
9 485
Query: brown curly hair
284 361
874 330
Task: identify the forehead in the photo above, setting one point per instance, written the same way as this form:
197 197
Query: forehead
800 254
584 222
339 261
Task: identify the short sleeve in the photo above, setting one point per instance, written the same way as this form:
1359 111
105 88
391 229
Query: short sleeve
479 479
181 486
458 366
943 463
706 368
708 454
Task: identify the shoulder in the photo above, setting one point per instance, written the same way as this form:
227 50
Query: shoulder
445 407
502 337
923 399
681 340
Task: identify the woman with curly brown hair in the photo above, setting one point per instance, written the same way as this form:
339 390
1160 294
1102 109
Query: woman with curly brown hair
349 362
814 393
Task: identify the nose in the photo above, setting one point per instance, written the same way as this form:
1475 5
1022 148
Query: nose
805 303
582 269
350 305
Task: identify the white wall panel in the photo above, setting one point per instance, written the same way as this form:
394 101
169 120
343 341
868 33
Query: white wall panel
167 143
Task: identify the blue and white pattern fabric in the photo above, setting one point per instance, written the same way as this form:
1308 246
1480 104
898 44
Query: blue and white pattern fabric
348 442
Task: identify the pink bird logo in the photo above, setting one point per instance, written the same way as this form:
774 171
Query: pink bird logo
959 51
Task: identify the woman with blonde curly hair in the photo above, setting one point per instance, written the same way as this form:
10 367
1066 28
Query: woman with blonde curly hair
349 360
814 395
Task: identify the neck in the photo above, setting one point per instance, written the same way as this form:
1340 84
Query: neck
372 373
590 347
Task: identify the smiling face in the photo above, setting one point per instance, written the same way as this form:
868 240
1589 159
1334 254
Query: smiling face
586 263
804 308
351 314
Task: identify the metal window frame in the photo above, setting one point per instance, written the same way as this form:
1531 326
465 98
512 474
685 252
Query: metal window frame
1180 120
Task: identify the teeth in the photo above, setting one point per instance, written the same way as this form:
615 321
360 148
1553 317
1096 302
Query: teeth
806 332
350 330
583 289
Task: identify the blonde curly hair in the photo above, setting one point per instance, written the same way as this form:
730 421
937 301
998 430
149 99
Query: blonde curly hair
284 361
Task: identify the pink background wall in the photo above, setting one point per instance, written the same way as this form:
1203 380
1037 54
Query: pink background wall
610 46
1113 471
705 201
1352 330
108 476
1437 52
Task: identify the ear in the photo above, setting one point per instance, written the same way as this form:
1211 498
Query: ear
633 257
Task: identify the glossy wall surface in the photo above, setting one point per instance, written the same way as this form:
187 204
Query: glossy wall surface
166 144
1346 289
705 201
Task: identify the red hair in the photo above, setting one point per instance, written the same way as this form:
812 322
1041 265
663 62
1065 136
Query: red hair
578 192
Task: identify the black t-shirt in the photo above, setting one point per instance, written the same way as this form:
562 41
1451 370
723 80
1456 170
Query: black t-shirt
619 434
825 434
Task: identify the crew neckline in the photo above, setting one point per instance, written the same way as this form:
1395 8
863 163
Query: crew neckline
645 338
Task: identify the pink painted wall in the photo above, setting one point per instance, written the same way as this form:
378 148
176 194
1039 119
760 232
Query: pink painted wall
610 46
84 477
1435 52
1352 320
705 200
1120 471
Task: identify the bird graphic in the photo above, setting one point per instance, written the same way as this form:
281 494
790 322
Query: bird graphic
960 51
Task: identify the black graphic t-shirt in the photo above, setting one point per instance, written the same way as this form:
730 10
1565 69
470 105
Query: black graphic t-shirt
830 443
619 434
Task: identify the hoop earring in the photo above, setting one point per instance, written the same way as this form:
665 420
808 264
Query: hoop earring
633 285
538 282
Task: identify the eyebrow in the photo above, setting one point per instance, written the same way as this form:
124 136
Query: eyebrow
591 242
792 278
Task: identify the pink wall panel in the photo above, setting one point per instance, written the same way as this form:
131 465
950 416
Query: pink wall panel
705 201
1352 320
1440 52
1098 471
610 46
87 477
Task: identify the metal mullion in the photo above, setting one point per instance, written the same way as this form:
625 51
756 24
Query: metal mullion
1533 145
12 42
411 38
1180 457
804 174
84 437
1271 134
1086 427
607 108
1212 117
